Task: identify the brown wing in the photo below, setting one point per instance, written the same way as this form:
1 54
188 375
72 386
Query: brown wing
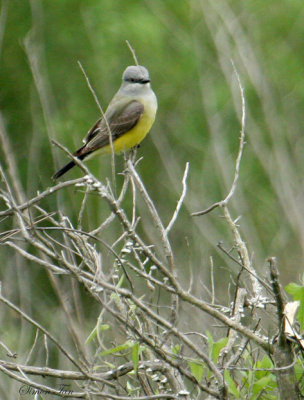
119 124
120 120
93 131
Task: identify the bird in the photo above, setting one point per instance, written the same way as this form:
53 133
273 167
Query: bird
128 119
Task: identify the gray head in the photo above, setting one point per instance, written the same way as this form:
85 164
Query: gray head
136 74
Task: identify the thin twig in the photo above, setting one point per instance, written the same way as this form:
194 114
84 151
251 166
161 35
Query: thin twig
265 284
283 354
242 248
10 161
278 293
42 195
43 388
180 201
238 307
72 230
154 214
212 280
106 122
167 358
37 260
42 329
132 52
239 155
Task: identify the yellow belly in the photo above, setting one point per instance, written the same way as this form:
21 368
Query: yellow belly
132 137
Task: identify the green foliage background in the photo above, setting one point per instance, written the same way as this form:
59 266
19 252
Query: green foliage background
188 47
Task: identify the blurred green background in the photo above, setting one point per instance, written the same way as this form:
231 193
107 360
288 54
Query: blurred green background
187 47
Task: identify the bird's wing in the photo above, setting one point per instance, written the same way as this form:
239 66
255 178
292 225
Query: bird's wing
92 132
119 123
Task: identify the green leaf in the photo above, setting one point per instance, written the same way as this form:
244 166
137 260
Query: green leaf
120 282
105 363
265 363
231 385
135 355
197 370
176 349
130 387
124 346
293 289
100 328
297 293
115 296
298 368
262 384
217 347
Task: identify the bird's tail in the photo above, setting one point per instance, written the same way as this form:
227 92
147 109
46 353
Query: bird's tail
79 154
64 169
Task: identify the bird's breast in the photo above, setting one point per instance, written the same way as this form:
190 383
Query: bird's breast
135 135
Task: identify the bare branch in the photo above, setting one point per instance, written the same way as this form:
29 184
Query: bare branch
241 246
106 122
283 352
42 329
10 160
154 213
42 195
239 155
180 201
43 388
132 52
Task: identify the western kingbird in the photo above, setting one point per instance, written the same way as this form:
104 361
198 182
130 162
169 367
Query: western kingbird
128 118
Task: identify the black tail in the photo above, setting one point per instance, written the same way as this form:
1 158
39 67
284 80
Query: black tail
64 169
80 154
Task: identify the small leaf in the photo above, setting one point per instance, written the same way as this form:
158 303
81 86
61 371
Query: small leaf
298 368
293 289
197 370
93 334
262 384
135 355
126 345
119 284
265 363
231 384
130 388
176 349
297 293
217 347
114 296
